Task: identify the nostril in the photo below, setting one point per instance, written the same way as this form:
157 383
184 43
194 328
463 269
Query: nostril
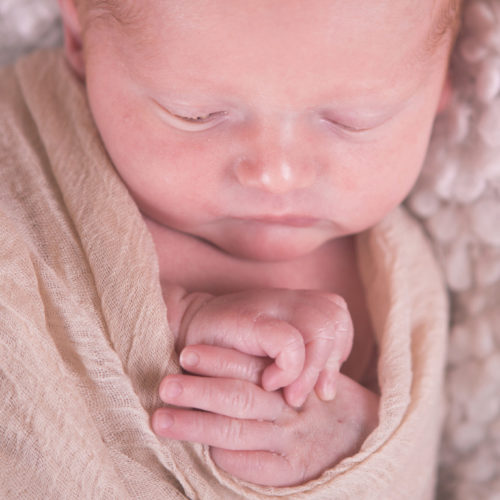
246 173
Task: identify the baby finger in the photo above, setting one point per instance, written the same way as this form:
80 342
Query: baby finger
212 361
318 354
230 397
326 386
216 430
283 343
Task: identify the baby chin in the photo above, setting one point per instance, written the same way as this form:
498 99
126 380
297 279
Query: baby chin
270 241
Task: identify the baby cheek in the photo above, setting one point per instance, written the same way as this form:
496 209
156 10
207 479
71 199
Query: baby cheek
202 159
370 187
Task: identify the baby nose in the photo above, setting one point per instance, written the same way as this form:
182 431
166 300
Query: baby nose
274 173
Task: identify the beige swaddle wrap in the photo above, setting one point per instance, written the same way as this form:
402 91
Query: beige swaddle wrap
84 339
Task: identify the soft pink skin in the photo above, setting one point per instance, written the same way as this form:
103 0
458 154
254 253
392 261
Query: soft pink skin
278 71
275 444
302 337
276 175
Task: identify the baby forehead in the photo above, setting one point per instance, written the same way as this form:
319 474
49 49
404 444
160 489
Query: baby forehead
143 16
126 10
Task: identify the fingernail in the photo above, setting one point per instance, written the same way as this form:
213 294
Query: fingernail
297 402
162 421
329 393
189 359
170 391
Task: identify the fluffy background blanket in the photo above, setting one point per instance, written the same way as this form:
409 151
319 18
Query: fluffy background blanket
458 201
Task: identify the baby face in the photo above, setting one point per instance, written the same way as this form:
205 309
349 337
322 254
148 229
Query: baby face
267 128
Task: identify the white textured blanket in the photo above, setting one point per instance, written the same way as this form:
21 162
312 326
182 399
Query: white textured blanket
458 200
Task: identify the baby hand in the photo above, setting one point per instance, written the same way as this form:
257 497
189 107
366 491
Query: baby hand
255 436
302 337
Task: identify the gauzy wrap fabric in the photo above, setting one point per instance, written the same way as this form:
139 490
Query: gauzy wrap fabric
84 339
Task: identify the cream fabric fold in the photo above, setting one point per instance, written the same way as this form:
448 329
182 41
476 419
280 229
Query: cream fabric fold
84 340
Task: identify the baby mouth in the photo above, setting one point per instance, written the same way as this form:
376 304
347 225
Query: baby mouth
288 220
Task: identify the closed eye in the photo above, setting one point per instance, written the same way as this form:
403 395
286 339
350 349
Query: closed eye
199 119
347 128
192 123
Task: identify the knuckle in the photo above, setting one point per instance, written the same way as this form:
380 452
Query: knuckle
343 323
333 363
294 340
232 432
279 335
253 371
331 300
338 318
338 300
331 314
241 399
225 365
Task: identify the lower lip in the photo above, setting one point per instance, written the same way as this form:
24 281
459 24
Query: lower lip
286 221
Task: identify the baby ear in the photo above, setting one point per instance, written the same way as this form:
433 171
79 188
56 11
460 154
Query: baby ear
445 98
73 42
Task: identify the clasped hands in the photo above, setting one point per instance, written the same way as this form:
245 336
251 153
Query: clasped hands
263 386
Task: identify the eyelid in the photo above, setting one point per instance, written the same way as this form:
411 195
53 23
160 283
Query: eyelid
193 123
348 128
343 126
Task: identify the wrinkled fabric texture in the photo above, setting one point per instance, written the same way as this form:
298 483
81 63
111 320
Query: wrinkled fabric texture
84 339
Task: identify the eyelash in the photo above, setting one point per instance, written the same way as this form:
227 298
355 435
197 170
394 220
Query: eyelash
203 122
193 123
199 119
346 128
